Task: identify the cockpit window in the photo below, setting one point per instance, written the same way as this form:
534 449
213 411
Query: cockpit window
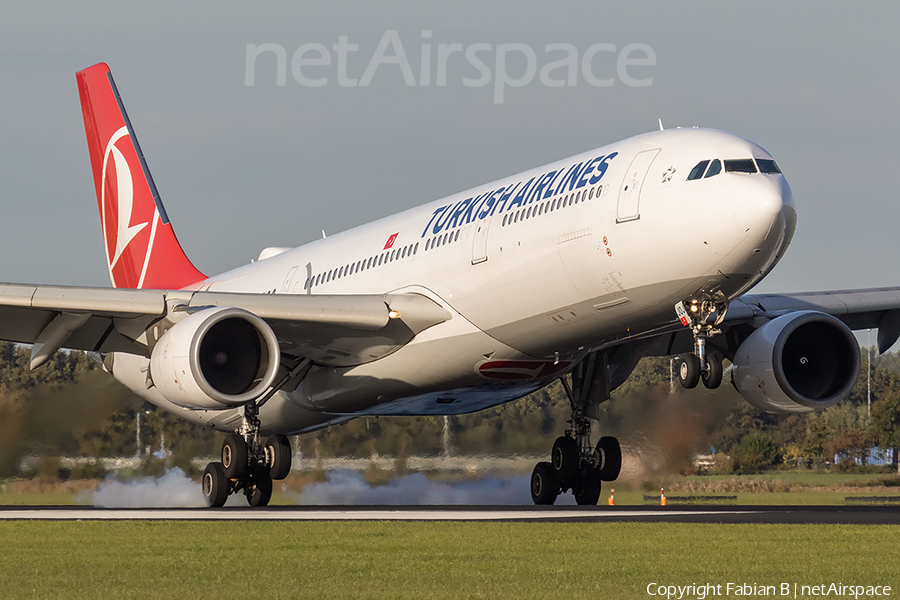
697 172
740 165
715 168
767 165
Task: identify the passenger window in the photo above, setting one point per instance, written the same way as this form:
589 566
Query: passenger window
767 166
714 169
697 171
740 165
416 248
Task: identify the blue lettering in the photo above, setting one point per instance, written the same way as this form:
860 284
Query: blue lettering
467 214
433 216
480 202
550 191
590 167
458 211
542 183
571 178
520 197
501 202
601 168
442 220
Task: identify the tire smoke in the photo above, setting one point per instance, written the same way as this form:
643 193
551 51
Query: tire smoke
344 487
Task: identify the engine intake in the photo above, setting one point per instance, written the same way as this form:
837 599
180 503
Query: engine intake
216 358
797 363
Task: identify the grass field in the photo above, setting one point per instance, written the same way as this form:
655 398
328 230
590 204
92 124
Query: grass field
427 560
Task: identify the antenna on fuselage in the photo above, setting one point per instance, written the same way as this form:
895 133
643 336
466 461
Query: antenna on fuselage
661 128
323 234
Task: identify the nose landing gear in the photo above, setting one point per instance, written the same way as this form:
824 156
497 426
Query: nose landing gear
702 317
248 464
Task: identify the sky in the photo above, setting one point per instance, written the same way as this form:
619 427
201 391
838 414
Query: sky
242 167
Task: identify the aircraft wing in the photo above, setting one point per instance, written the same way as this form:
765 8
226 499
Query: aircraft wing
875 308
336 330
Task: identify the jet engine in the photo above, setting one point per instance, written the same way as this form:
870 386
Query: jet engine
797 363
216 358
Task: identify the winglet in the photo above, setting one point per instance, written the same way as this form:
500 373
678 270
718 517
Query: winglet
141 248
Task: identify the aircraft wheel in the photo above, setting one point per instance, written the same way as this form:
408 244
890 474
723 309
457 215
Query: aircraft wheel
278 455
565 460
234 456
610 458
689 371
712 377
544 485
216 486
588 488
260 488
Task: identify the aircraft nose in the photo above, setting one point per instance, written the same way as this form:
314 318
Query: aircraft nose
762 201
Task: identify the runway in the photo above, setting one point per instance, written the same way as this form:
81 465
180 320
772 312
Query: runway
868 515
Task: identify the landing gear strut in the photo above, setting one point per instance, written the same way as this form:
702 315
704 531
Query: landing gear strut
576 465
248 464
702 317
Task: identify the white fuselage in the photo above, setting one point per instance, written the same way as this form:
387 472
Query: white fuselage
537 269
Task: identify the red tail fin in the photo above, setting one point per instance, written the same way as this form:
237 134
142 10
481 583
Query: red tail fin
141 248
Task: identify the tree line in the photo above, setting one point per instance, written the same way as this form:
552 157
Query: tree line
70 407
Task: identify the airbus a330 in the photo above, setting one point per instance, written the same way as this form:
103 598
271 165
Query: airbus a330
572 271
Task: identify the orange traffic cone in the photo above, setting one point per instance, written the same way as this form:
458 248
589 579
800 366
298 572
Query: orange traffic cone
662 497
612 499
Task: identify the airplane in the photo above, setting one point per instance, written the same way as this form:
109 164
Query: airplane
571 272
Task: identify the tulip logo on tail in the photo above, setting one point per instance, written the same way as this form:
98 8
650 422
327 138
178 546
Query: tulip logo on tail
121 224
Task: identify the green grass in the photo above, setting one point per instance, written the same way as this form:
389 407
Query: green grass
426 560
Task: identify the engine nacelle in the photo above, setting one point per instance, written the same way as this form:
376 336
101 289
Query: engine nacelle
216 358
797 363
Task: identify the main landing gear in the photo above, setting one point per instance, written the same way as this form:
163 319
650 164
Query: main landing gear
703 316
248 464
576 465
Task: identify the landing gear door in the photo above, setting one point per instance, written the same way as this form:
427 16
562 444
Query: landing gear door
630 192
479 243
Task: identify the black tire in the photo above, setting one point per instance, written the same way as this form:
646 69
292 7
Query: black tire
587 492
234 456
565 458
260 488
278 451
712 377
544 485
610 458
689 371
216 486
